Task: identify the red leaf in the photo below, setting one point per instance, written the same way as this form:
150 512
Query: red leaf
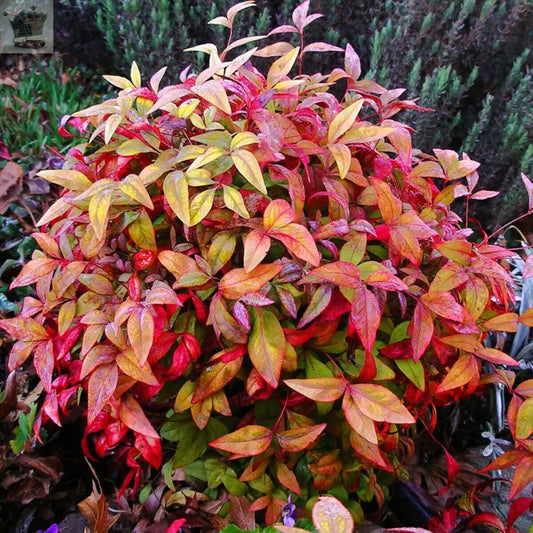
287 478
365 317
517 509
487 519
132 415
340 273
529 189
102 384
246 441
523 475
422 330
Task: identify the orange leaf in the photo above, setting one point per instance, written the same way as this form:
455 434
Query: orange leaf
246 441
476 296
465 370
523 475
496 357
449 277
128 363
443 304
318 389
141 333
339 272
503 322
34 270
390 206
299 242
330 516
359 422
102 384
468 343
287 478
24 329
526 318
380 404
256 246
277 215
298 439
368 450
132 415
238 282
266 345
215 376
458 251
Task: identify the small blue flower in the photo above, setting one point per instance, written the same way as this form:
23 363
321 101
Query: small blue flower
54 528
493 448
288 513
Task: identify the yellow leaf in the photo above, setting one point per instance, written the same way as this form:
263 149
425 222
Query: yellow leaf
141 333
281 67
119 81
364 134
66 315
344 120
247 165
177 194
212 153
243 138
234 201
111 125
133 187
142 232
186 109
221 250
343 158
135 75
69 179
133 147
213 91
201 205
99 213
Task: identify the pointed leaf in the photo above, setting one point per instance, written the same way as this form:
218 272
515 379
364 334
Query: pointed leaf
319 301
99 213
281 67
266 345
464 370
102 384
326 389
213 91
443 304
278 214
221 250
340 273
177 194
201 205
299 242
256 247
233 200
380 404
238 282
365 316
69 179
360 423
343 157
344 120
246 163
141 333
247 441
34 270
298 439
132 415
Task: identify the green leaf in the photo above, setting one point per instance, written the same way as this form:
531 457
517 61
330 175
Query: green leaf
413 371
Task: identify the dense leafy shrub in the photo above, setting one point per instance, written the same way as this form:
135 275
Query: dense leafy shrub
467 60
274 268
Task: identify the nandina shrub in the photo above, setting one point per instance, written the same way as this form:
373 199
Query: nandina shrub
275 266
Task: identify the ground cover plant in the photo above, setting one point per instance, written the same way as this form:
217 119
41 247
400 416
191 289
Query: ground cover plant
272 278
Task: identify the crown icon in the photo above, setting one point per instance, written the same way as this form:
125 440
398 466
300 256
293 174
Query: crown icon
27 27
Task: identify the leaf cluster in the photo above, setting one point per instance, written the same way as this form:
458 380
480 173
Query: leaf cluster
274 267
